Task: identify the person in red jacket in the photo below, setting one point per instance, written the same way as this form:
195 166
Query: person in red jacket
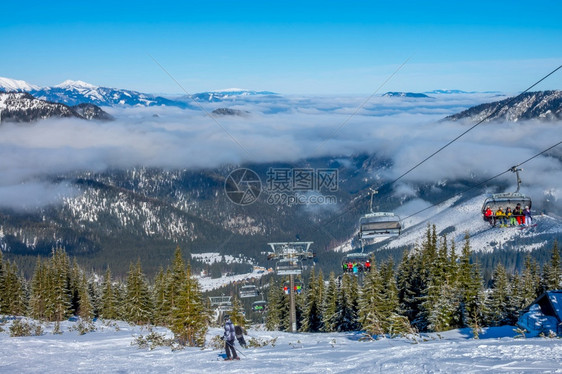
489 216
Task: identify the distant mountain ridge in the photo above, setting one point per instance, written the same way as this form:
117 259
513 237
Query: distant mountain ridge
228 94
72 92
23 107
542 105
405 94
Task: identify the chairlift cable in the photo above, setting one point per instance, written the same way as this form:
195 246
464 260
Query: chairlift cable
472 127
321 225
484 182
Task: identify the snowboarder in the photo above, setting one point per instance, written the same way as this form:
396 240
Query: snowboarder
239 332
229 336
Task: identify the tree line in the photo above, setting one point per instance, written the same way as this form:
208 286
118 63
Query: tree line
60 289
432 288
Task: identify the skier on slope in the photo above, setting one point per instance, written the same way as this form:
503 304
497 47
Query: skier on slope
229 336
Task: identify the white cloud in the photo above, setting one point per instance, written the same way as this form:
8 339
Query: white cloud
283 129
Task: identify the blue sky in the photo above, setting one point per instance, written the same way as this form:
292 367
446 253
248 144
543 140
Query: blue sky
317 47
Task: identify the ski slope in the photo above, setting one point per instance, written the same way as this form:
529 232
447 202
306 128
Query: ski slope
109 350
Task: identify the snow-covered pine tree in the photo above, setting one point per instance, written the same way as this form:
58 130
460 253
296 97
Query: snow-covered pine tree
312 316
330 305
189 318
498 300
371 302
348 304
404 279
138 302
278 314
552 272
469 284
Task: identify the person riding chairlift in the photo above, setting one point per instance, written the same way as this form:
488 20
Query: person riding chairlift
518 213
489 216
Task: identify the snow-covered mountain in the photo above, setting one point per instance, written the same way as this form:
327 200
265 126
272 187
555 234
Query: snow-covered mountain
405 94
72 93
226 94
14 85
23 107
78 92
544 105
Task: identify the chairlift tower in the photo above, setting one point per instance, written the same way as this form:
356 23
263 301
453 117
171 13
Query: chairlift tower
289 258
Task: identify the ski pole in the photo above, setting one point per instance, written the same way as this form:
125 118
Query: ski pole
232 345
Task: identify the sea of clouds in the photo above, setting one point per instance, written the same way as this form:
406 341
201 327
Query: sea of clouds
280 128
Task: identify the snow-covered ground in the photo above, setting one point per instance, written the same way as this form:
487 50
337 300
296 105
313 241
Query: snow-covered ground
109 350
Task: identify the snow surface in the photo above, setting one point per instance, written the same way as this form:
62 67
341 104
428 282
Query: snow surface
75 84
110 350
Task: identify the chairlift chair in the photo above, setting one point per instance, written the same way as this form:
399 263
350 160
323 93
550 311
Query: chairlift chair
507 199
248 291
259 306
379 224
288 266
361 259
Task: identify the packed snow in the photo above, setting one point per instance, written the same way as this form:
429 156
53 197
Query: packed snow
111 349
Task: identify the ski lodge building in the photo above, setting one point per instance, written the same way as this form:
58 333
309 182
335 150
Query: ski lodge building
544 315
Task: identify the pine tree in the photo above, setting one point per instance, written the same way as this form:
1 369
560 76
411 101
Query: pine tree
348 304
108 309
3 293
330 305
529 283
175 279
85 306
161 307
312 319
469 283
138 303
189 318
37 301
552 273
236 315
58 289
12 298
371 315
499 299
278 315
